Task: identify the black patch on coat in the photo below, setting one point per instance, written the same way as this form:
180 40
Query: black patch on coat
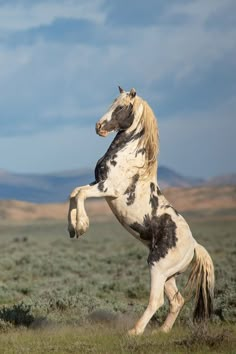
152 187
93 183
124 116
113 161
121 119
170 206
158 191
176 212
153 199
131 190
160 232
101 186
120 141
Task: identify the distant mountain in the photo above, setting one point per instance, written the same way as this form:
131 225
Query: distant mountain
229 179
56 187
169 178
39 188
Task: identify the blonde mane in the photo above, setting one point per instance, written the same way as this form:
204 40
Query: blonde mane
150 138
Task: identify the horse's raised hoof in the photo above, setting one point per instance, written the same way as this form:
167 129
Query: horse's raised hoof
82 226
72 233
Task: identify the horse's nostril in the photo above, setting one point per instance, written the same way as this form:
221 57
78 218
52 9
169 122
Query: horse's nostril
98 126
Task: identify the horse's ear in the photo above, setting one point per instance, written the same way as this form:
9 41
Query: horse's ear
121 89
132 93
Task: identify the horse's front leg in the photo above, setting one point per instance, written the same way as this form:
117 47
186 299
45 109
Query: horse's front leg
78 221
72 211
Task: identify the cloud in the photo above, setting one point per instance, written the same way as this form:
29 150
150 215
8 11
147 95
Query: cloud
54 83
198 11
61 62
20 16
48 83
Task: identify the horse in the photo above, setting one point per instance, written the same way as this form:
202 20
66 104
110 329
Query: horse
126 176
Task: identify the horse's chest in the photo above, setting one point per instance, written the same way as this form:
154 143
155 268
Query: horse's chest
129 206
102 169
115 168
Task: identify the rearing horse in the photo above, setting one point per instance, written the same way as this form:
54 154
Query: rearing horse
126 176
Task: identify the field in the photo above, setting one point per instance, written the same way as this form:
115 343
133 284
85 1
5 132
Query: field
80 296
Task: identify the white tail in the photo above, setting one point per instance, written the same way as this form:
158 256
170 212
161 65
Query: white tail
203 279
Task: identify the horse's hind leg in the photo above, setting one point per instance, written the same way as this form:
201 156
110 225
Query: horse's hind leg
156 300
176 302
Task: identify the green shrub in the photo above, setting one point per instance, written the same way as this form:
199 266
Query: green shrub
18 315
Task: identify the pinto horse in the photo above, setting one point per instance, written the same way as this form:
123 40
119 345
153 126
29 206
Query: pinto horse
126 176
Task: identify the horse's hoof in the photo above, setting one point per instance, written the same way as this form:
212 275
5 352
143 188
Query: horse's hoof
82 226
72 233
133 332
164 329
71 230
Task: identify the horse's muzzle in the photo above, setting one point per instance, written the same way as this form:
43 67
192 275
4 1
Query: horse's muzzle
99 130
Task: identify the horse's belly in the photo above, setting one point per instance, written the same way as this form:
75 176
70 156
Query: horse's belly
126 216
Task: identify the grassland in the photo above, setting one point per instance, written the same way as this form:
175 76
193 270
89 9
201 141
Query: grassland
67 296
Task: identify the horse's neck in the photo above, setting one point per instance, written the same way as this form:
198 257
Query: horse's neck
128 149
124 140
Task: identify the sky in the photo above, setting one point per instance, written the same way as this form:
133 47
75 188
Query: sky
62 60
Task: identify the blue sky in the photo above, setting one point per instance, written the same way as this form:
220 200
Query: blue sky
61 62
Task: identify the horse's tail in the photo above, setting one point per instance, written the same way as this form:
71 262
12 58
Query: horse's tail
203 279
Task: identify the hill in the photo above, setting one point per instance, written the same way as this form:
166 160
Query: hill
198 202
56 187
229 179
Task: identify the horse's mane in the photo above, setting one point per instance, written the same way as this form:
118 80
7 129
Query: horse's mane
150 138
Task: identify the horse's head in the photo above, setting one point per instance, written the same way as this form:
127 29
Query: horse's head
120 115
